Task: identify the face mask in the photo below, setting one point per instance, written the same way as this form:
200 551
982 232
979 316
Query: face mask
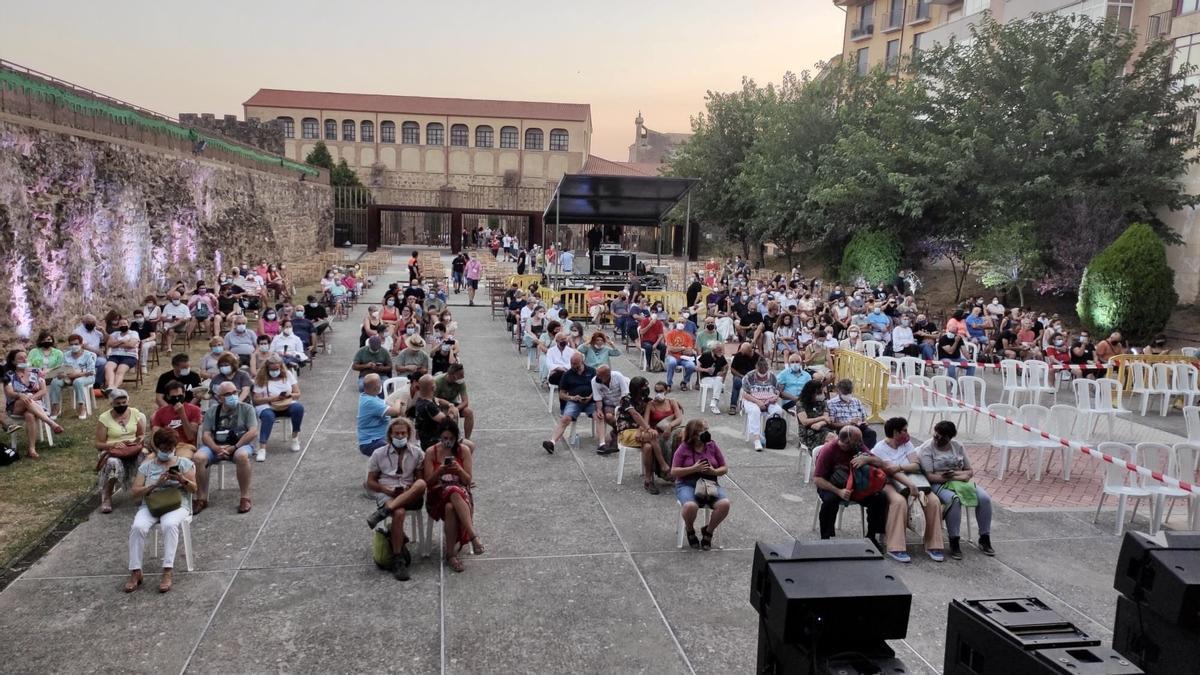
904 322
271 317
391 303
710 327
264 348
678 326
312 304
1058 343
447 444
796 367
175 303
225 370
231 400
46 345
89 326
950 334
274 372
120 409
241 328
75 349
287 331
659 396
175 399
399 443
163 456
846 397
22 366
705 436
410 331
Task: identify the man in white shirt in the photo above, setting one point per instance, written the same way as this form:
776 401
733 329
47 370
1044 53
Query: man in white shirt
900 458
903 341
568 262
393 479
176 318
607 389
558 357
289 345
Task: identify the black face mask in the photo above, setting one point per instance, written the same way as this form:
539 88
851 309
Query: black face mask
174 400
120 409
705 436
89 326
46 345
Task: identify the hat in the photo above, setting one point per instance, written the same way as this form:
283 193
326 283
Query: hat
114 394
415 341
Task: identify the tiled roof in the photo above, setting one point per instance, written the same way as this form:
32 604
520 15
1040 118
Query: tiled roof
419 105
598 166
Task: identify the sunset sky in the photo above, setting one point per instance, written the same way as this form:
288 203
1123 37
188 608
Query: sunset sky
620 56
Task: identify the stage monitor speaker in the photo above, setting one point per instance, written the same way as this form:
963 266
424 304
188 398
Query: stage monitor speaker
606 262
776 657
1166 579
1022 635
821 549
1149 640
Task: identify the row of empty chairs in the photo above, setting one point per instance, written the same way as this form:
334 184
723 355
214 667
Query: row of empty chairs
1165 381
1178 461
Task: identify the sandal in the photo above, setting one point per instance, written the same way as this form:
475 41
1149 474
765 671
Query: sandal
244 505
705 538
199 505
135 580
650 487
454 563
56 428
692 540
105 506
165 585
477 546
33 454
683 387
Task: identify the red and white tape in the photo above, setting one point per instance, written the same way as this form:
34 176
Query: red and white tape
1087 450
1052 366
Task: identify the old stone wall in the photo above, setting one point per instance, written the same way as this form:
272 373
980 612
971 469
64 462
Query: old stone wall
266 135
92 223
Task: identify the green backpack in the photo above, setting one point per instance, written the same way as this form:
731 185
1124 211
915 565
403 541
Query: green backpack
381 550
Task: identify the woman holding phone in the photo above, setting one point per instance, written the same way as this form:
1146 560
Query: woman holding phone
699 459
447 471
174 480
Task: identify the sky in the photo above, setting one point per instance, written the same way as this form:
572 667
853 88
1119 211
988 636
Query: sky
656 56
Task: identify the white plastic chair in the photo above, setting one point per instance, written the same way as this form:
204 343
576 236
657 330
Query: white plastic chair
1191 418
708 387
919 400
1108 401
946 386
1005 437
1141 380
1187 382
970 352
185 534
621 450
1191 352
895 382
1038 417
1062 424
705 512
422 530
552 398
1118 482
911 366
873 348
1185 458
393 384
89 400
1036 375
1164 385
1157 457
973 391
1013 382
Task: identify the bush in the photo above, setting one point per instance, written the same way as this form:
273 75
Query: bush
874 256
1128 286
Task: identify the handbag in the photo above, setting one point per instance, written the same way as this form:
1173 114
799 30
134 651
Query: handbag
706 490
163 501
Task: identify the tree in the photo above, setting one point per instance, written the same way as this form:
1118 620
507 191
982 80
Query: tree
1008 257
955 252
1129 286
874 256
320 157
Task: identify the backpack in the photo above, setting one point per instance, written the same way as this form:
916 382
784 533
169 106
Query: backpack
381 550
862 482
7 455
775 432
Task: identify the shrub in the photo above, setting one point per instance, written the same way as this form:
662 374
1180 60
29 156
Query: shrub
1128 286
874 256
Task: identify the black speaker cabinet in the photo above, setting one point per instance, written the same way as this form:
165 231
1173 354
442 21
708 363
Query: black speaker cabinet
1166 579
1022 635
1159 646
867 658
793 551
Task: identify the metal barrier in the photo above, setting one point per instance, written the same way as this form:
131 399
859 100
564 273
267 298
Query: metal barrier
673 301
523 280
869 376
1123 373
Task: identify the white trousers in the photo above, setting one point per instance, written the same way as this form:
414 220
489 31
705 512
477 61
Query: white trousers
142 522
718 386
754 417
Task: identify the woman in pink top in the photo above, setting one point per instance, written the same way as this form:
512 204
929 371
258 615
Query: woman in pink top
698 457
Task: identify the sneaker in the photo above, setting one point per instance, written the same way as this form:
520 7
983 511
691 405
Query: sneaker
260 455
900 556
377 517
548 446
732 410
985 545
936 555
295 445
758 446
955 549
714 410
400 568
607 450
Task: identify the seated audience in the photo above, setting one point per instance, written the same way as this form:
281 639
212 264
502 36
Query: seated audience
635 431
120 432
900 458
744 361
394 479
791 380
208 364
574 396
681 352
558 356
48 361
372 358
712 368
598 350
79 371
832 468
276 394
846 410
289 346
228 371
450 387
122 353
25 394
699 459
412 361
666 416
428 412
181 373
227 434
608 387
204 309
944 462
179 416
374 415
760 394
241 341
448 475
165 484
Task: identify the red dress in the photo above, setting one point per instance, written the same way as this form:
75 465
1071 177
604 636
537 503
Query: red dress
438 497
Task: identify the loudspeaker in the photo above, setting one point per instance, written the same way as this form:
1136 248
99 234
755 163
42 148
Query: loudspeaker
1157 645
822 549
1022 635
1166 579
776 657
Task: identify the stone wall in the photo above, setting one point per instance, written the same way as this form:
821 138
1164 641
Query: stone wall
92 223
265 135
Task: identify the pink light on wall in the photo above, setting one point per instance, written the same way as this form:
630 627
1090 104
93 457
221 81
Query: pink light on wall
54 271
218 261
21 316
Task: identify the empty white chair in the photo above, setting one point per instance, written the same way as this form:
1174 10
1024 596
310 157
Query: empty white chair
1141 381
1005 437
895 381
970 352
1093 400
911 366
1191 417
393 384
1191 352
1037 417
1156 457
1187 382
943 387
920 399
1062 424
1013 383
1185 460
1164 385
973 391
1119 481
873 348
1108 401
1036 375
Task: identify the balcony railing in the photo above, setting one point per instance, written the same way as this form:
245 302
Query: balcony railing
921 13
894 19
859 32
1158 25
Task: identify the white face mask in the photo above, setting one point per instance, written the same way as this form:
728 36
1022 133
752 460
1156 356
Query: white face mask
659 396
184 372
796 367
287 331
679 326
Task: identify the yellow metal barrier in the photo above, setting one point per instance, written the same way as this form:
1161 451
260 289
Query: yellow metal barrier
523 280
1119 370
869 376
673 301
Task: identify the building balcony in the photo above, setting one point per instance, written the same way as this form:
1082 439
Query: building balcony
862 32
1158 25
849 3
893 21
921 14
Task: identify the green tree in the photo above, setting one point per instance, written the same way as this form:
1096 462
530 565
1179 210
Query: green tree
1129 286
320 157
1008 258
873 255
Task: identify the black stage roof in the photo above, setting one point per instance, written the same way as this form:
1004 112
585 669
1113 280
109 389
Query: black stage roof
615 200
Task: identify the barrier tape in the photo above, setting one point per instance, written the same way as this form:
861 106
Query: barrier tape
1021 364
1087 450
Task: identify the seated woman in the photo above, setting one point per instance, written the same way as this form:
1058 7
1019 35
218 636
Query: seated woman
535 327
269 324
635 431
122 353
24 392
666 416
900 459
79 371
813 416
598 350
785 336
698 458
543 346
576 333
163 473
390 315
276 394
228 370
273 280
208 364
448 478
47 360
945 464
120 433
442 353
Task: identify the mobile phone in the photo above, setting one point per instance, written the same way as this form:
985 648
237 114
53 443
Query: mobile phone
448 462
173 469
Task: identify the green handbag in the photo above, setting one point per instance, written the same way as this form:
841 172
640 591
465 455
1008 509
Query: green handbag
163 501
967 496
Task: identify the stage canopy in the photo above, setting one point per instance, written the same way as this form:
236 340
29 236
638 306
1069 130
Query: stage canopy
614 200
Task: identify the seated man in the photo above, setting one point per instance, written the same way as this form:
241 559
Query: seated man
449 387
93 340
927 334
900 458
227 434
429 413
574 396
681 351
289 346
621 317
847 411
374 415
559 357
412 361
372 358
303 328
651 330
760 393
181 374
176 318
712 368
80 373
607 389
903 343
791 381
241 341
835 460
879 322
178 415
393 477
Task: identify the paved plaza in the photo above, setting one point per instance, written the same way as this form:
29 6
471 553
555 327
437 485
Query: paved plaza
580 574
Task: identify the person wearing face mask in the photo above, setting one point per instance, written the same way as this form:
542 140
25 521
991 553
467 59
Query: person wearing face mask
812 416
900 459
394 479
48 361
708 337
1083 354
791 380
847 411
228 370
902 341
78 371
558 357
168 473
946 465
574 397
118 438
227 434
179 416
760 394
176 319
289 346
204 309
241 341
833 462
412 361
854 341
122 353
598 350
261 352
879 322
443 352
276 394
92 338
180 372
651 330
949 348
25 393
698 458
681 352
447 471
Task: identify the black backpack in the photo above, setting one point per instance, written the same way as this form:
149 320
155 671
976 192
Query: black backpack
775 432
7 455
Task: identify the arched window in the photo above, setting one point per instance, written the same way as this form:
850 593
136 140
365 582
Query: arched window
410 133
288 125
559 139
459 134
435 134
331 130
308 127
533 139
387 131
509 137
368 132
348 130
483 136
